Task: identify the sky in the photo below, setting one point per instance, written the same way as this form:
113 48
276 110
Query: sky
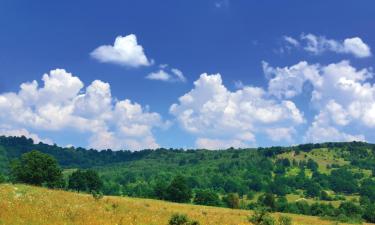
207 74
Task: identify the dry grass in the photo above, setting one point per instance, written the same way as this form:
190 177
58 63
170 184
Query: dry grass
27 205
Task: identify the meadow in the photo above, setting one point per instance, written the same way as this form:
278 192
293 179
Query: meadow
29 205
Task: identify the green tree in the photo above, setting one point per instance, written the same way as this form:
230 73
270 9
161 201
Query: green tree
369 213
178 190
37 168
85 180
268 200
206 197
232 200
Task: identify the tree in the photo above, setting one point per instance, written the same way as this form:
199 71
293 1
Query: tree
268 200
85 180
160 189
232 200
206 197
2 178
312 165
178 190
37 168
312 189
369 213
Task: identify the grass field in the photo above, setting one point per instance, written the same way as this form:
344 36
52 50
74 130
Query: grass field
27 205
322 156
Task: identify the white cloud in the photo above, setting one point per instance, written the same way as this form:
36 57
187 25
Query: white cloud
61 106
159 75
125 51
291 41
222 3
175 75
211 112
341 94
23 132
320 44
216 144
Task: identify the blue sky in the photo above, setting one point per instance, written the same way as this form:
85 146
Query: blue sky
319 85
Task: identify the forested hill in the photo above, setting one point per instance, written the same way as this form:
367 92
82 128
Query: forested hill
358 153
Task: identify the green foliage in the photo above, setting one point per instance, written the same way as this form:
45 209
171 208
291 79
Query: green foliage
285 220
181 219
37 168
178 190
369 213
261 217
232 200
85 180
207 197
2 178
97 195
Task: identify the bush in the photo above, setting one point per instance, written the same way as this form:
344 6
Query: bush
261 217
181 219
285 220
97 195
232 200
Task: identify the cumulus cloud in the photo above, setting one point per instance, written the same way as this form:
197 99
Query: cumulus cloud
62 106
23 132
125 51
212 112
320 44
342 95
174 75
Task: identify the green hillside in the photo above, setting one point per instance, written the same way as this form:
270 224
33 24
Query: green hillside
329 180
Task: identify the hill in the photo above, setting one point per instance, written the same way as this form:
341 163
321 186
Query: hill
22 204
331 180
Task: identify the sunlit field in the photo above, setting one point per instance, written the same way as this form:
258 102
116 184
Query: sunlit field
27 205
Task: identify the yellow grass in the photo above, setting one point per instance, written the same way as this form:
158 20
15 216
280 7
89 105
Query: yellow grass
27 205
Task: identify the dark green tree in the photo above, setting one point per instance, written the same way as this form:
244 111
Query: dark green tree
206 197
85 180
178 190
37 168
232 200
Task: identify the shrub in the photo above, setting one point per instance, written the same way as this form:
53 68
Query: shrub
232 200
285 220
261 217
97 195
181 219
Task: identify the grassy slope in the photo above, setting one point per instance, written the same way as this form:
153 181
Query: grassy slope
27 205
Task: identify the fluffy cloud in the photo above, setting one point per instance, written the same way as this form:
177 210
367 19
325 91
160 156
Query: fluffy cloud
320 44
125 51
61 105
23 132
212 112
175 75
342 95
